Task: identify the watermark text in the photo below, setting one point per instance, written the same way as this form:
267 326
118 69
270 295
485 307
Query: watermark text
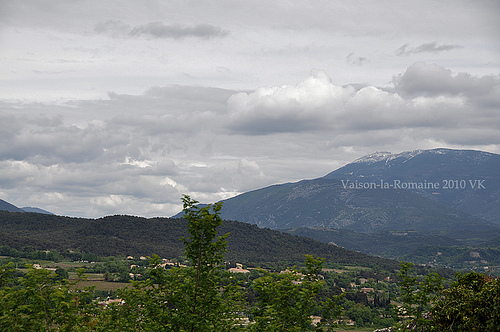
447 184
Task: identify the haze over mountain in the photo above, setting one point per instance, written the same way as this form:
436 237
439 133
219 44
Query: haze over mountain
342 200
6 206
35 210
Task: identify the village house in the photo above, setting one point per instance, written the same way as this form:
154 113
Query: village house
238 269
367 290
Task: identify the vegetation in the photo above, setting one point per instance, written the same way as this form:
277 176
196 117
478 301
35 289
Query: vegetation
288 299
198 297
412 246
128 235
471 303
201 295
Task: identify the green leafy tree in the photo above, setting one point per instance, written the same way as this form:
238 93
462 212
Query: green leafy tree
472 303
61 274
203 299
39 301
287 300
183 298
417 296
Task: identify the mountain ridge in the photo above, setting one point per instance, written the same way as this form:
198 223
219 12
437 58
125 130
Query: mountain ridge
326 203
468 180
6 206
138 236
469 214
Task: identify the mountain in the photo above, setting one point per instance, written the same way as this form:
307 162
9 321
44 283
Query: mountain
466 180
129 235
387 192
35 210
5 206
326 203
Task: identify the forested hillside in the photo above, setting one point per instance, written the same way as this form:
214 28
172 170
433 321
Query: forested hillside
411 246
129 235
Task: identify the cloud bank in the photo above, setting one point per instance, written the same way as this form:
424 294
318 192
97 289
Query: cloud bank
424 96
139 153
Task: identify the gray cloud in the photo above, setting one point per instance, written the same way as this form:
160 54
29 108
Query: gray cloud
115 28
165 129
425 96
159 30
139 153
422 79
433 47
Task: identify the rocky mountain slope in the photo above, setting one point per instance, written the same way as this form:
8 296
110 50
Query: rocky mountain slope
466 180
452 193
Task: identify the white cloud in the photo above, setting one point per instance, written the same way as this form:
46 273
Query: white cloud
120 107
306 106
249 169
139 153
426 95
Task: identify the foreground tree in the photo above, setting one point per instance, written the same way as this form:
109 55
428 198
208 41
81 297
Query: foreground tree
471 303
417 296
40 301
286 300
209 307
183 298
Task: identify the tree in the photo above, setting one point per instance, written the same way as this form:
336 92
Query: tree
39 301
472 303
417 296
204 301
184 298
61 274
286 300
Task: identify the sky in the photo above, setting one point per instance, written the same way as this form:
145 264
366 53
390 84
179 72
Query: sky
121 107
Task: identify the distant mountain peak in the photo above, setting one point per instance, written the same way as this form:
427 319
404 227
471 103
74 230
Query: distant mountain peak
6 206
373 157
387 157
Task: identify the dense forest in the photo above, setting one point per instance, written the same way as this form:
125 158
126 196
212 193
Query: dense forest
123 235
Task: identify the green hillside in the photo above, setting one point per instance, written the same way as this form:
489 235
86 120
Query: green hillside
394 245
129 235
430 250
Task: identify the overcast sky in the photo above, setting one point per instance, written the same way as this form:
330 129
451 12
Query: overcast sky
120 107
